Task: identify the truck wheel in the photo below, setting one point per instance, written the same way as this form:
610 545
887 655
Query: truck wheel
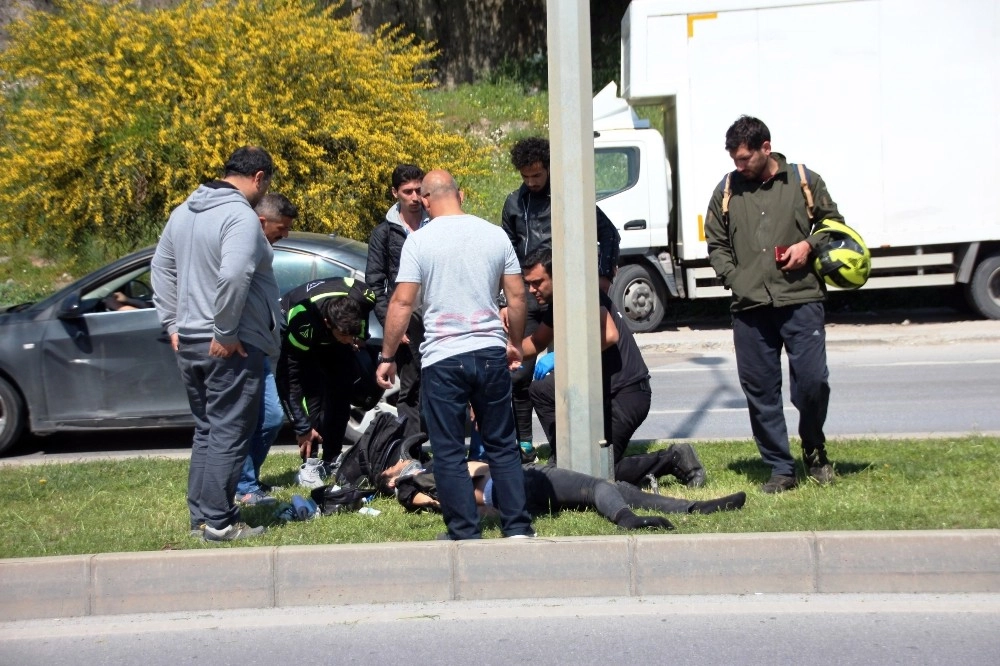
983 291
11 415
640 297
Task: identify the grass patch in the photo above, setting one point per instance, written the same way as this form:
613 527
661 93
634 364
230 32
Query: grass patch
139 504
29 273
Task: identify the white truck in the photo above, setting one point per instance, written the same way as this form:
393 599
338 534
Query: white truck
893 102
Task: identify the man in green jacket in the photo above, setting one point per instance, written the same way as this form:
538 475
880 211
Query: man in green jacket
759 231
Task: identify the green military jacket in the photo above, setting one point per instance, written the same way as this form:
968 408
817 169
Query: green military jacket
763 216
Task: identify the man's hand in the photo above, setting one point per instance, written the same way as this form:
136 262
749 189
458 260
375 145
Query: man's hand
514 357
795 257
220 350
545 364
385 375
174 341
306 441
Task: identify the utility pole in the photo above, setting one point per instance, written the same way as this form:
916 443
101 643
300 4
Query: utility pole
579 398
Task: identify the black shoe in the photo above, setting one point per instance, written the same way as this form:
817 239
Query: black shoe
779 484
727 503
683 463
817 466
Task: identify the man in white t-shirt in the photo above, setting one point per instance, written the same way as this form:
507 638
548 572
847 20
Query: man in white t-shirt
457 267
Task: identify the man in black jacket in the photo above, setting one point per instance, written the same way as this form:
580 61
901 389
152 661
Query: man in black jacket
385 245
317 374
527 219
550 489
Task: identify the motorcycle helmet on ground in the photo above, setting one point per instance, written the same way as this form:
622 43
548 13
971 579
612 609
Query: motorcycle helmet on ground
842 258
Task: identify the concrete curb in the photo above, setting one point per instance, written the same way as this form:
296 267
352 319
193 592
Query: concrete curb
947 561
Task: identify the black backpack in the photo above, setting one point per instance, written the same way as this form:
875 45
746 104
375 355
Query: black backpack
338 499
379 448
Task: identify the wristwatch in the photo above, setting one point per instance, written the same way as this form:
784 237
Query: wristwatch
385 359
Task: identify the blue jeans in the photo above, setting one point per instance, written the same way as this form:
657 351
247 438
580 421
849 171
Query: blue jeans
271 419
479 377
224 394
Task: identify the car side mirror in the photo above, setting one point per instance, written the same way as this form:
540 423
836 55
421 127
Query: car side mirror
70 307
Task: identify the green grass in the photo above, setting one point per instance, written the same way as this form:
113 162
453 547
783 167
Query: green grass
491 116
139 504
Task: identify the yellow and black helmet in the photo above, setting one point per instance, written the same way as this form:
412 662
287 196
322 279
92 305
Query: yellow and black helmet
842 259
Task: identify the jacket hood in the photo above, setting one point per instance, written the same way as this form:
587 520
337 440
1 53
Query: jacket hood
214 194
392 216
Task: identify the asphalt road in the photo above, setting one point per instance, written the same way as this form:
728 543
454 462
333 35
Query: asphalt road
929 374
876 391
774 629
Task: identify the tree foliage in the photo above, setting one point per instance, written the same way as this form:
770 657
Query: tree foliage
110 116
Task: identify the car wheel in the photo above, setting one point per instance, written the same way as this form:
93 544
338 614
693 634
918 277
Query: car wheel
12 415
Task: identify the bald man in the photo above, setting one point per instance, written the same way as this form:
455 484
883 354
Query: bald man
458 265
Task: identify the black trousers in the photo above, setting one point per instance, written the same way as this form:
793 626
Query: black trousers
759 335
408 370
550 489
328 393
521 379
624 412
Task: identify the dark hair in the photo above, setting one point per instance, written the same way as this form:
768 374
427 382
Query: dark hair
273 205
543 256
343 313
528 151
404 173
748 131
247 161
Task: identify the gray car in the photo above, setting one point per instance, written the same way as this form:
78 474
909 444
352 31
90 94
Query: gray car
71 362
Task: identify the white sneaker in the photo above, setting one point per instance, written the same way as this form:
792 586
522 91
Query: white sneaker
311 473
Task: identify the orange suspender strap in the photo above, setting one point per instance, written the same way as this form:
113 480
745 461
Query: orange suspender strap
806 192
726 194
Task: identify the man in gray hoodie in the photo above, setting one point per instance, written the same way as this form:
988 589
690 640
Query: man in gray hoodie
216 296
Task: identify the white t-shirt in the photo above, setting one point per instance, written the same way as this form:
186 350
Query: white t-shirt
459 262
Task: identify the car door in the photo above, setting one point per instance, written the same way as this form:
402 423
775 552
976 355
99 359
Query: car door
102 366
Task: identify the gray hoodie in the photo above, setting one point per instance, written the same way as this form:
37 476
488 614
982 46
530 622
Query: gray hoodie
212 274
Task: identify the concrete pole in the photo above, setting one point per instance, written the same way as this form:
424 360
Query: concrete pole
579 403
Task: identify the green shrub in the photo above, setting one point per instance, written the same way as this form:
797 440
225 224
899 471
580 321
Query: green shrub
110 116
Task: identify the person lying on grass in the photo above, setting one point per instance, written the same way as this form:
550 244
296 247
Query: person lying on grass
550 489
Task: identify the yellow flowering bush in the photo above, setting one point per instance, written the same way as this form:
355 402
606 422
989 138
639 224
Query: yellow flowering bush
110 116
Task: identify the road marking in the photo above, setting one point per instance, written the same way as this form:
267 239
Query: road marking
894 364
982 361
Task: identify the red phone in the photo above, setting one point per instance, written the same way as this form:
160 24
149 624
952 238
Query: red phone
778 251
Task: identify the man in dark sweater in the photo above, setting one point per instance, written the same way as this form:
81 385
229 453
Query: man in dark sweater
527 220
625 383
